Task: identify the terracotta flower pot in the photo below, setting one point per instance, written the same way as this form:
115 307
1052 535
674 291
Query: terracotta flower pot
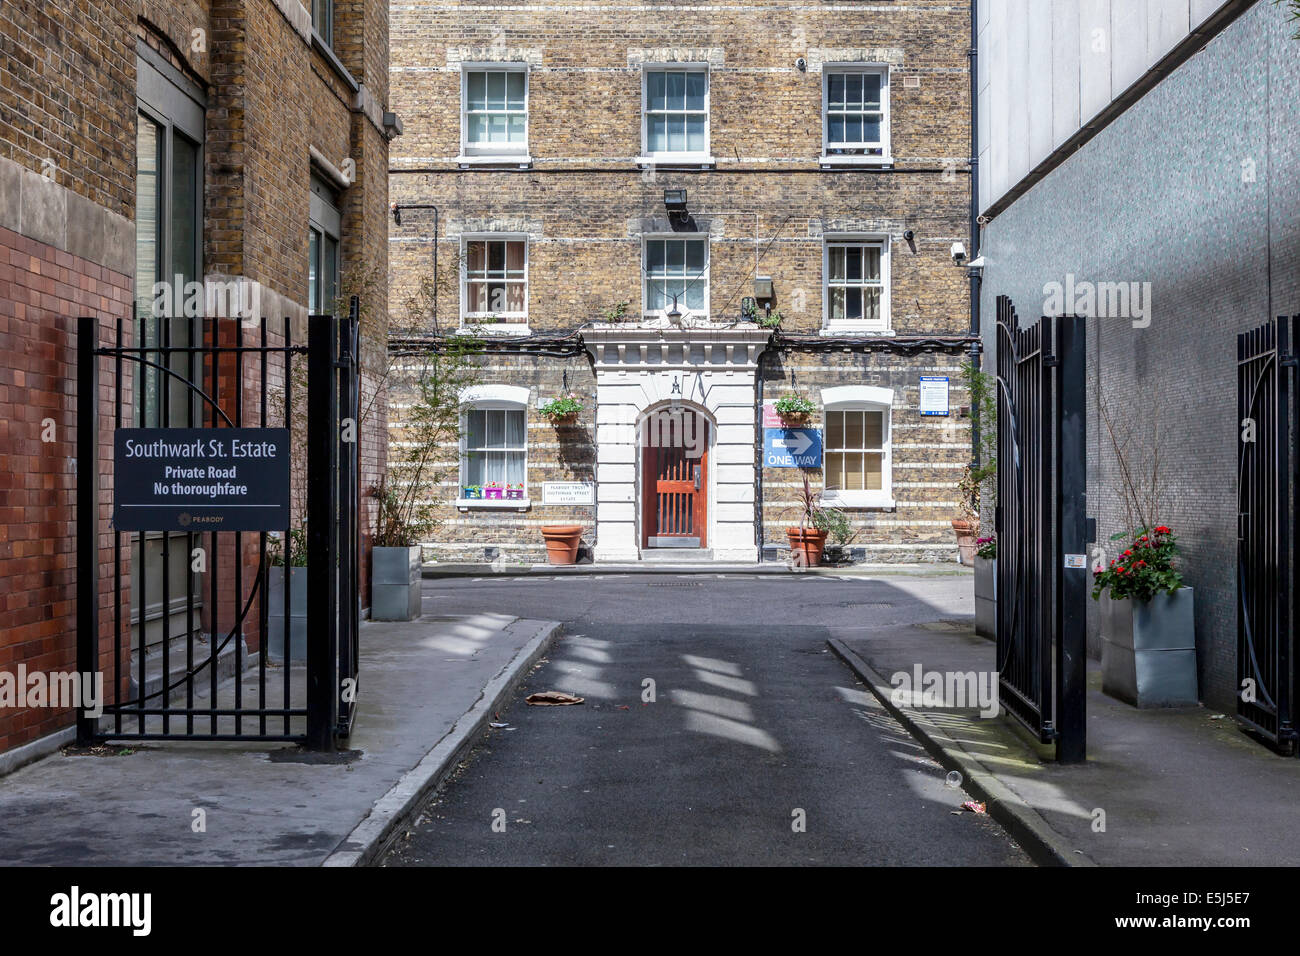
562 542
807 545
966 529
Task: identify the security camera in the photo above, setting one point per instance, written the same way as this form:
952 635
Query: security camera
959 252
801 64
909 235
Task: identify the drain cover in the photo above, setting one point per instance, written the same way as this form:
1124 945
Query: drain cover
675 584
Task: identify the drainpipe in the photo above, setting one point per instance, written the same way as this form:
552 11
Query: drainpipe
974 274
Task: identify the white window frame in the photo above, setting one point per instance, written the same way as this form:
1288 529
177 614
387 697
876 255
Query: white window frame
854 159
488 398
516 323
860 398
684 158
839 326
645 275
496 154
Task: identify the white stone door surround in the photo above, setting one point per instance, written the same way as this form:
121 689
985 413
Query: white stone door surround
714 367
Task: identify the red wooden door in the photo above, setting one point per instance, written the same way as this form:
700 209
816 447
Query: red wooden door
675 493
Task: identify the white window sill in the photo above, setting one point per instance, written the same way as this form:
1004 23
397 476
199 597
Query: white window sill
858 499
521 161
836 329
678 159
468 327
853 159
512 504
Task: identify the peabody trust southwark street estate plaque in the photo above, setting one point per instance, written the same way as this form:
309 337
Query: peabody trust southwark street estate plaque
201 479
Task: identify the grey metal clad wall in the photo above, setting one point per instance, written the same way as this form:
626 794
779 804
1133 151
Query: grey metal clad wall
1164 195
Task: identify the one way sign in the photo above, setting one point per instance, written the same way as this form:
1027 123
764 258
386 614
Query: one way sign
792 447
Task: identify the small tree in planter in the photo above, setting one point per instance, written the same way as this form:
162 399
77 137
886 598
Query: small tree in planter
808 541
436 374
401 522
966 524
1148 628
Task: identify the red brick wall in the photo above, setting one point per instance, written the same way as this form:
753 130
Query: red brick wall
42 292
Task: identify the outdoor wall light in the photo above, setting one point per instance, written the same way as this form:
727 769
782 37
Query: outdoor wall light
675 203
674 314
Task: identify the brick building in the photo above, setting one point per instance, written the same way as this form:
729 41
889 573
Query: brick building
238 142
617 199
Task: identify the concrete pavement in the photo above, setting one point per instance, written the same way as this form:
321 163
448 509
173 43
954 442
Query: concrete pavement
1182 787
759 747
427 688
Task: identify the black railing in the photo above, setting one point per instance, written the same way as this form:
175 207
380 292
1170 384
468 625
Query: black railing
1267 487
216 683
1041 527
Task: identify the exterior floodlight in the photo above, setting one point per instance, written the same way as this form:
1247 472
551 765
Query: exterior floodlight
675 203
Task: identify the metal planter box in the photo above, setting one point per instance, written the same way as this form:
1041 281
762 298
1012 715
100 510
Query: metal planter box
986 597
1148 650
395 584
297 614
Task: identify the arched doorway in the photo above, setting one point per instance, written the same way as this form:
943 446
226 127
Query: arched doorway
674 458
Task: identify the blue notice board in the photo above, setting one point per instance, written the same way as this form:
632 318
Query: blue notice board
792 447
934 395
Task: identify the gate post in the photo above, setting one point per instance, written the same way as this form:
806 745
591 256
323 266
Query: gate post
1071 511
87 513
348 512
322 530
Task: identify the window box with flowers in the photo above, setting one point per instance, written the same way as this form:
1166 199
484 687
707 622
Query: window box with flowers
1148 632
493 492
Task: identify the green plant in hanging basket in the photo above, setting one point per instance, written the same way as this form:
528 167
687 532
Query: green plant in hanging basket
562 409
794 407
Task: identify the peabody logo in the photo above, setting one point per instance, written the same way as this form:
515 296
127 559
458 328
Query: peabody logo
184 519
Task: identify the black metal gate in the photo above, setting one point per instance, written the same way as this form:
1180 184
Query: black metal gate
192 653
1041 527
1267 486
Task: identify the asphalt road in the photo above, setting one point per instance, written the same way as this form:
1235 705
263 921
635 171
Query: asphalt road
759 747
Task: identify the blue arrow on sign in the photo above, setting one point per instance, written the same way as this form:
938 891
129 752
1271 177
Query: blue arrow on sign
792 447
